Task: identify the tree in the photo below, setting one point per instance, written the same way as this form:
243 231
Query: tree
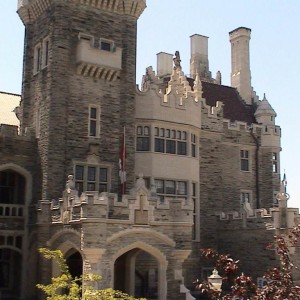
64 287
279 283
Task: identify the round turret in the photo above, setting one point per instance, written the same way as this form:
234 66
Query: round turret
265 114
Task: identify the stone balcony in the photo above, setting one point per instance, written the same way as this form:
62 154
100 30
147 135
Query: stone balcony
12 217
97 63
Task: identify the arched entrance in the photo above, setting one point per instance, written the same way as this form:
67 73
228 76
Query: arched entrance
10 274
136 273
74 262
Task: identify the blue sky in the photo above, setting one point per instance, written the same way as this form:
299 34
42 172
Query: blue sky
167 25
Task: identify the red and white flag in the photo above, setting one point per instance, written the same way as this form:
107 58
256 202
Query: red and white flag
122 169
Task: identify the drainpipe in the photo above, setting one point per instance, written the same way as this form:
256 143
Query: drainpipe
256 167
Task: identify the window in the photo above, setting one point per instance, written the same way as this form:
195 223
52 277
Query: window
37 58
12 188
45 55
91 178
170 141
244 156
194 197
275 162
193 145
143 138
94 121
170 188
41 55
38 123
107 45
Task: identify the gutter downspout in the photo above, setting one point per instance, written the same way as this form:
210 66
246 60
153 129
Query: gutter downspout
256 167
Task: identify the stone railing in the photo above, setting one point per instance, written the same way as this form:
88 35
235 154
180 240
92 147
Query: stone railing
11 210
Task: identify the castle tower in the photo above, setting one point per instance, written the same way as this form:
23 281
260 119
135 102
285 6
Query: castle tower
199 56
78 89
240 62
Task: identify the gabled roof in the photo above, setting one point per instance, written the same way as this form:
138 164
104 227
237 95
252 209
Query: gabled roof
8 102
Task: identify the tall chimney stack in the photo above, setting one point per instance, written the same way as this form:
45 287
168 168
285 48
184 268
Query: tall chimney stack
240 62
199 57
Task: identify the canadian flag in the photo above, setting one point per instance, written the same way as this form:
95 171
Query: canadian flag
122 169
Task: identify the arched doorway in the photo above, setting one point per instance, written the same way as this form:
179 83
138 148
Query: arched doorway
10 274
136 273
74 262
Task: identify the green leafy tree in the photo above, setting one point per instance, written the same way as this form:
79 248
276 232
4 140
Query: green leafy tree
64 287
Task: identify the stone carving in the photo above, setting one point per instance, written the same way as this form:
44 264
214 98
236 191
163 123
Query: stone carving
140 183
70 197
177 61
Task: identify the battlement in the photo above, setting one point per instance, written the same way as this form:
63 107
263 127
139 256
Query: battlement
275 218
140 207
29 10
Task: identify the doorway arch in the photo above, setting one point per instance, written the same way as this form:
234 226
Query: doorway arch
139 269
75 263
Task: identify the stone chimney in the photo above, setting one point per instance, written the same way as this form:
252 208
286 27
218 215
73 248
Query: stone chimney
240 62
199 57
164 64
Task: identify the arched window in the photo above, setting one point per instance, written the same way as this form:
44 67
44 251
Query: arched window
12 187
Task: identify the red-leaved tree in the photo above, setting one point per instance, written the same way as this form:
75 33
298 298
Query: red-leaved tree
279 283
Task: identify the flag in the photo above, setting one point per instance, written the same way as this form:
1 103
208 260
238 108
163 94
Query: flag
122 169
284 182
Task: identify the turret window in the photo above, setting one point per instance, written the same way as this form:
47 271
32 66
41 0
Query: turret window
107 45
45 54
170 141
94 121
275 162
37 58
143 138
41 55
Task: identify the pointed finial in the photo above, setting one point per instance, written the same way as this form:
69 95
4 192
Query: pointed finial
264 97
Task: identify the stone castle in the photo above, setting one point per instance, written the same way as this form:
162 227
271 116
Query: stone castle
130 183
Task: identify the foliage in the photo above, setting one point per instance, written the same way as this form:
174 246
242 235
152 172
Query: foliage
279 281
64 287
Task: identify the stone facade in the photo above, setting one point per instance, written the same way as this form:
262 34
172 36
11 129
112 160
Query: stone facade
202 159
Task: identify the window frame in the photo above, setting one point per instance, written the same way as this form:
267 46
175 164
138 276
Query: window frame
37 58
111 44
143 138
95 121
165 193
275 161
84 181
245 160
170 141
45 52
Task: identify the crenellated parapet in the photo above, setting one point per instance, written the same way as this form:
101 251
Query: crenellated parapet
275 218
169 101
30 10
140 207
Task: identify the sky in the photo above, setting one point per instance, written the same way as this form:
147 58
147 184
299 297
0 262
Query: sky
166 26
